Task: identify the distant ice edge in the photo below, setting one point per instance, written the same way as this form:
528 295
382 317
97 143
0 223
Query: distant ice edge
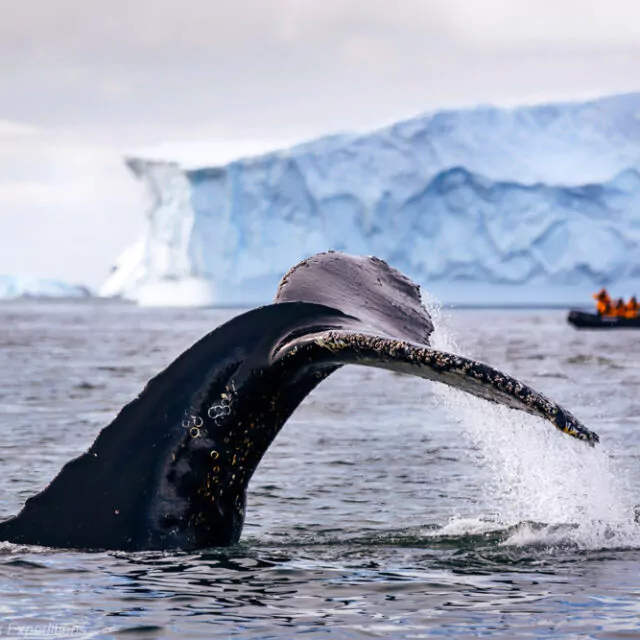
529 205
14 287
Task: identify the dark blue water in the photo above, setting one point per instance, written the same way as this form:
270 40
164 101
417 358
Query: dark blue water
387 507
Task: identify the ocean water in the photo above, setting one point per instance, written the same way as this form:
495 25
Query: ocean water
387 507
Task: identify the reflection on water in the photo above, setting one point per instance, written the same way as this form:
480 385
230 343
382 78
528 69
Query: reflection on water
381 510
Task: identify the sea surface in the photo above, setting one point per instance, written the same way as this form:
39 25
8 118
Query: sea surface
388 506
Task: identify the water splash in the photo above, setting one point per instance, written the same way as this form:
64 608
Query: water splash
538 475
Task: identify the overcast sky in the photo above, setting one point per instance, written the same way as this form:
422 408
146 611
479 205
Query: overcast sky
81 81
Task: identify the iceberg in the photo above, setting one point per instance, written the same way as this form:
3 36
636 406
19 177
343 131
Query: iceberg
15 287
534 204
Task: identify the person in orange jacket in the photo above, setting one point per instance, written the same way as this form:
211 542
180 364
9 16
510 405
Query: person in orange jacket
603 302
619 309
631 310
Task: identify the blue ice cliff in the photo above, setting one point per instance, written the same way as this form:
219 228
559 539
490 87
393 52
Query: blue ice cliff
532 204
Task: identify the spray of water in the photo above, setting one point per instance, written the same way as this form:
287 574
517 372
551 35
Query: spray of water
550 488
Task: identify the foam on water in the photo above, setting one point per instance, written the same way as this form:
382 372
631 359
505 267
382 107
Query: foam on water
537 475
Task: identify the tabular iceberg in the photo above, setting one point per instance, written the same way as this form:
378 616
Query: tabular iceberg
14 287
533 204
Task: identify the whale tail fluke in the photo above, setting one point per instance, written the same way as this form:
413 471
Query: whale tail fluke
171 470
393 330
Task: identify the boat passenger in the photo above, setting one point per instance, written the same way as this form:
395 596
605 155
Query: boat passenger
620 309
632 308
603 302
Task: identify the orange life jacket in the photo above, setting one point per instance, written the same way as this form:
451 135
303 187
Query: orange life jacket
620 310
631 310
603 302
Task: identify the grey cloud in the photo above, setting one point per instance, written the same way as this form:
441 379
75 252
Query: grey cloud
138 70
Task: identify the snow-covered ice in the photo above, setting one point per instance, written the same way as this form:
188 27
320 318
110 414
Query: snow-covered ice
533 204
14 287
